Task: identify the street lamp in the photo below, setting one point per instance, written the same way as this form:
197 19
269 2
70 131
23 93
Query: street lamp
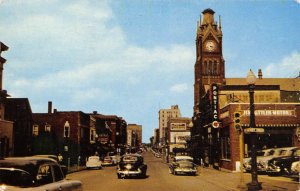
254 184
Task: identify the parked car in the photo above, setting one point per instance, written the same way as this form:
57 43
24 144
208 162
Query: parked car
295 169
63 167
131 165
108 161
94 162
262 163
34 174
183 165
282 165
260 155
157 155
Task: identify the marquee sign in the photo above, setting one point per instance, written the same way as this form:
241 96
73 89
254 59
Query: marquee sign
271 113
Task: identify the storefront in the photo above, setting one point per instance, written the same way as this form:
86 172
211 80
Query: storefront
280 123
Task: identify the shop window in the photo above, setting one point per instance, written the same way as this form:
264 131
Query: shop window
225 148
35 130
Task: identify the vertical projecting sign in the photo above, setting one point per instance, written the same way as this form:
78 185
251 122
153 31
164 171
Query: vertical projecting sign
215 105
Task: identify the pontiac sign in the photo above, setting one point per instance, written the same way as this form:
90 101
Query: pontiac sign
215 104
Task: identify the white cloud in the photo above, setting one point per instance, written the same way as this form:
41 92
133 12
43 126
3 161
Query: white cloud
180 88
298 1
289 66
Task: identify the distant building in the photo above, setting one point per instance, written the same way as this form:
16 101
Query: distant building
111 132
179 132
134 135
163 117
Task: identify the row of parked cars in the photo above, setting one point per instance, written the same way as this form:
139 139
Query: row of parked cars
277 161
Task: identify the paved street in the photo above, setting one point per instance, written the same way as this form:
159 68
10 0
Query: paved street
160 179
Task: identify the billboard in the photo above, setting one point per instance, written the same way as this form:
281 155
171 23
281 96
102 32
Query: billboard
179 137
178 126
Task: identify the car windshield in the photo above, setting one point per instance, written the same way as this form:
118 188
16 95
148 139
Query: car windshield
185 164
94 159
15 177
297 153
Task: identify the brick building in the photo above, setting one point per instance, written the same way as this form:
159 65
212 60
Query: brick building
18 111
111 132
6 126
69 133
214 139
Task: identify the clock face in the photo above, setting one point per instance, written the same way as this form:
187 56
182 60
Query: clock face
210 46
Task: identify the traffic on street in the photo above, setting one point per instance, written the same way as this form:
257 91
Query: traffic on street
158 177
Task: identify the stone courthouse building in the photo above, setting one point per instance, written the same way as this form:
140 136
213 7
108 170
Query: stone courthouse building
214 138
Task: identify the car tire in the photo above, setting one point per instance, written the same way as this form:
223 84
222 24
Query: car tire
119 176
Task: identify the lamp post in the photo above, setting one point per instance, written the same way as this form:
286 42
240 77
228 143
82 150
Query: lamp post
254 184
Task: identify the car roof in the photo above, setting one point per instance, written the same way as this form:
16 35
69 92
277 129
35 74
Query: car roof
29 164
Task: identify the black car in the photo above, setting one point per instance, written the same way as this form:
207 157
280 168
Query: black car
131 165
34 174
282 165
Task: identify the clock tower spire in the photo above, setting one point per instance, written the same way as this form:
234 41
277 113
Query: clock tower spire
209 66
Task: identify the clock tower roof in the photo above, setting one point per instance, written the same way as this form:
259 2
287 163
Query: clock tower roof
208 11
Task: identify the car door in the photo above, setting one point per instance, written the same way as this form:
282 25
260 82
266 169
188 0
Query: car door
51 178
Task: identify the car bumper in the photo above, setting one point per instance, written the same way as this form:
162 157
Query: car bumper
93 166
273 170
129 172
185 171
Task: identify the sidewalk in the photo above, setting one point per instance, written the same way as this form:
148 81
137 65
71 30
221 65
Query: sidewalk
75 168
237 181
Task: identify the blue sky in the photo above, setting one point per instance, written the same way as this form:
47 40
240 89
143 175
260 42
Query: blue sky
132 57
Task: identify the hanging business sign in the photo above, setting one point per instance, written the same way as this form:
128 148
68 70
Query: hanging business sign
215 102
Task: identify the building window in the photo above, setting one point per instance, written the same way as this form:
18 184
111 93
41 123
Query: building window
47 128
225 147
67 129
35 130
93 135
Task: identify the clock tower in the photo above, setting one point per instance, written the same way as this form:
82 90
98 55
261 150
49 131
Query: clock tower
209 66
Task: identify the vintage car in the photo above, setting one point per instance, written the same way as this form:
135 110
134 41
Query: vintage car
34 174
261 154
131 165
183 165
262 162
295 169
108 161
282 165
93 162
64 168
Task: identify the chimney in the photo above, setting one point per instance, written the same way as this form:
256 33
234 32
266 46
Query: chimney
49 107
260 75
